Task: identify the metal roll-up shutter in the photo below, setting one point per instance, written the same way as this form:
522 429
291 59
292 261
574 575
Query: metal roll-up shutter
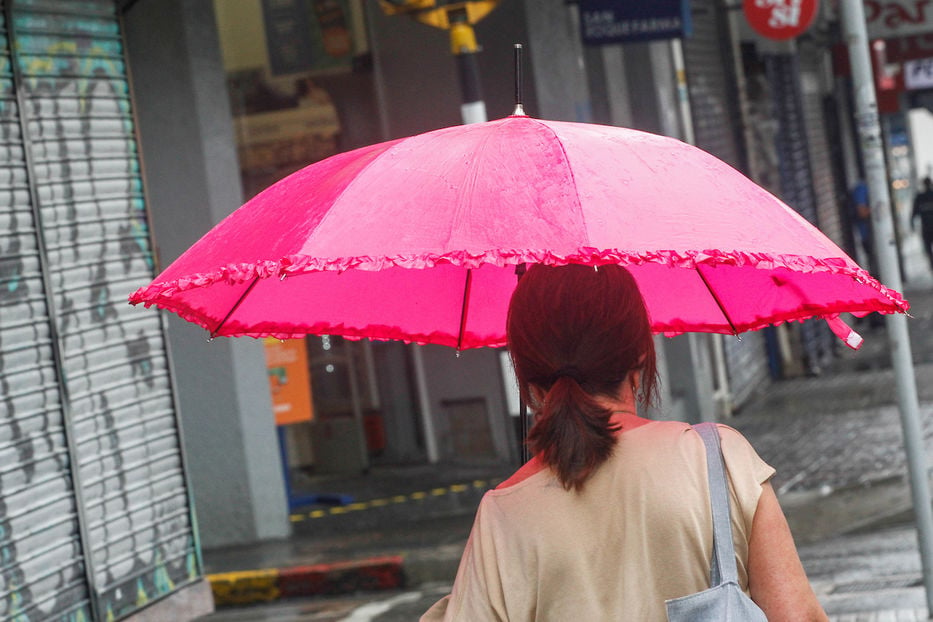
709 77
793 154
714 112
42 572
96 520
796 174
824 183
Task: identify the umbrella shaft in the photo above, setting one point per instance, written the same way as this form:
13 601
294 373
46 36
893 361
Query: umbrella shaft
464 309
523 414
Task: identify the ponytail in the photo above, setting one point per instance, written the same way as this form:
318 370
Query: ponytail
575 334
572 433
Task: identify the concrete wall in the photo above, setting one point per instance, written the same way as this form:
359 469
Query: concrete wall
652 87
398 405
557 61
453 381
187 143
608 85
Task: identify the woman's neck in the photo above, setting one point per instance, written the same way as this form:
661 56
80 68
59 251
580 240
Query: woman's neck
624 402
626 420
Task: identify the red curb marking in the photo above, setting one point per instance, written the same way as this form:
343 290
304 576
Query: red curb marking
377 573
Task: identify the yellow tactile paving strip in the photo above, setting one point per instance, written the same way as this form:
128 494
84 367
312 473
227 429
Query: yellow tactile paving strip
420 495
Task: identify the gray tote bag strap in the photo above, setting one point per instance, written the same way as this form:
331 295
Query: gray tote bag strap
723 568
724 600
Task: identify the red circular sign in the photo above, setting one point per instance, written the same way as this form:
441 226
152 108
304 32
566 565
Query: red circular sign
780 19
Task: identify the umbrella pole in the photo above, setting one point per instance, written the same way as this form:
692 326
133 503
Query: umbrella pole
523 414
464 309
519 272
869 129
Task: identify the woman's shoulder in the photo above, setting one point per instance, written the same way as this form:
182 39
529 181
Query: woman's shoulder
669 435
527 471
677 430
657 429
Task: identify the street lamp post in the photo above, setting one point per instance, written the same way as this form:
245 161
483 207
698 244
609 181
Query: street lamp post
457 18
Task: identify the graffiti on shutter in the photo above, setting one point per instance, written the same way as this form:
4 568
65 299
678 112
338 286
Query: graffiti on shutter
119 453
43 574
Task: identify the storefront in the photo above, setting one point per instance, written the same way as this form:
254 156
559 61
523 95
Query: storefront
304 85
96 517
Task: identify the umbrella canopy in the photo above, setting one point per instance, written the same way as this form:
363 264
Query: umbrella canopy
418 239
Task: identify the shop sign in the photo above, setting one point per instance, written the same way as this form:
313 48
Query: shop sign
289 380
307 35
620 21
918 74
780 19
888 19
912 47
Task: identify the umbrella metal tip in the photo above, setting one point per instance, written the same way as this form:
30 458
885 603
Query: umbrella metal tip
519 111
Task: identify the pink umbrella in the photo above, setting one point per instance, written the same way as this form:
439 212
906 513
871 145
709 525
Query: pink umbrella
418 239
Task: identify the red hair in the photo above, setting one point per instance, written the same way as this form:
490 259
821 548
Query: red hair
575 333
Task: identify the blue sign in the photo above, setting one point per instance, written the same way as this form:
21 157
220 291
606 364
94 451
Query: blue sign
621 21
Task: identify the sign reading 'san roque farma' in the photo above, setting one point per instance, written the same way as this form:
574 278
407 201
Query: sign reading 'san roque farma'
622 21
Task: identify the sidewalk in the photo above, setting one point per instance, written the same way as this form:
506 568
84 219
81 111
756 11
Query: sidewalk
835 440
406 526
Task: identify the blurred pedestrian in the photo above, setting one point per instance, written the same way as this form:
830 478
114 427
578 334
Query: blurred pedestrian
611 517
923 209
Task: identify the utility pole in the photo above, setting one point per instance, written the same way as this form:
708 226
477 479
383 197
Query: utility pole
869 131
457 18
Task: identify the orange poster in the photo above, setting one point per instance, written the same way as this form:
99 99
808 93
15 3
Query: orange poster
289 382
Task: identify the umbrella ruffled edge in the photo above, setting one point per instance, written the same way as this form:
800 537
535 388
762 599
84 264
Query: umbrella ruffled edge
383 332
375 332
236 273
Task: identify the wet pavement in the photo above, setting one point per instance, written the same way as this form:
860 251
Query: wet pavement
861 572
414 510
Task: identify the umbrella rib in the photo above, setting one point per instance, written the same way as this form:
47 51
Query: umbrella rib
573 177
722 308
464 308
235 307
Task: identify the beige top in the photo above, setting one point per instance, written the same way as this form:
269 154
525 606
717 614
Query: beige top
639 533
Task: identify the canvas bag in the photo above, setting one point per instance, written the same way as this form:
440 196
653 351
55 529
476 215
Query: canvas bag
724 601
